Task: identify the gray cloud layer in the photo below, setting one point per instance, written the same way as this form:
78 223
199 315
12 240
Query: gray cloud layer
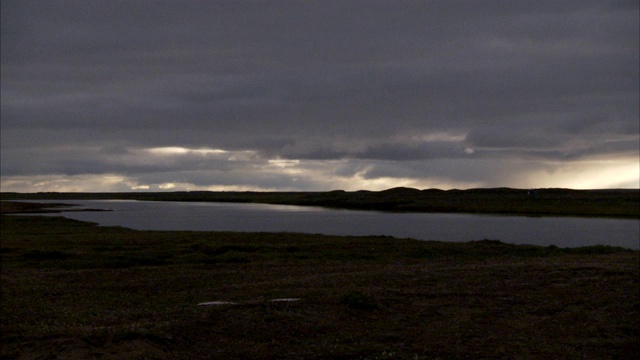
392 86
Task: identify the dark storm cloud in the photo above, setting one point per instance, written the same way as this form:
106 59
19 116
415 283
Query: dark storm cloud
314 80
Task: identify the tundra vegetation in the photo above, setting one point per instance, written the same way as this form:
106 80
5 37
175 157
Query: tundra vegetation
72 289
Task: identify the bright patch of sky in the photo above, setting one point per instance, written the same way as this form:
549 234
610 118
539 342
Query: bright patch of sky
319 95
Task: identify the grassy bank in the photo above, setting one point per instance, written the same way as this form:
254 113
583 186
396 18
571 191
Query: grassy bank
74 290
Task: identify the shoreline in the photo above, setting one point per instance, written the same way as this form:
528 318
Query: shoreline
614 203
25 207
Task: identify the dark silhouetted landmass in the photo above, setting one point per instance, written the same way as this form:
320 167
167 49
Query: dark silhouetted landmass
530 202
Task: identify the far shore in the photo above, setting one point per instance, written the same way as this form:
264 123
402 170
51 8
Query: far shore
617 203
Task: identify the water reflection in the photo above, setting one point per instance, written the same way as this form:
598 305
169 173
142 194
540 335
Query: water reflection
203 216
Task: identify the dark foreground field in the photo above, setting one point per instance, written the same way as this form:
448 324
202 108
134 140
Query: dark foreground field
72 290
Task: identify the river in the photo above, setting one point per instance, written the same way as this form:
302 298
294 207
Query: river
203 216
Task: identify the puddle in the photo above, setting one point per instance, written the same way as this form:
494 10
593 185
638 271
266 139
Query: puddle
215 303
219 303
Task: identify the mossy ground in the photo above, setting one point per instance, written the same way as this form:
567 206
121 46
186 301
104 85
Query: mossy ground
74 290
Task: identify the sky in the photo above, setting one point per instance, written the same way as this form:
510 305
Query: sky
318 95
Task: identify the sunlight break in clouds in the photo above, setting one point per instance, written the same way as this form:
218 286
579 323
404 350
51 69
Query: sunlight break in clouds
283 163
66 183
602 174
176 150
587 174
320 175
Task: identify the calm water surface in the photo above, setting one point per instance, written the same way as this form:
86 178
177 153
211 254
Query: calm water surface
559 231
